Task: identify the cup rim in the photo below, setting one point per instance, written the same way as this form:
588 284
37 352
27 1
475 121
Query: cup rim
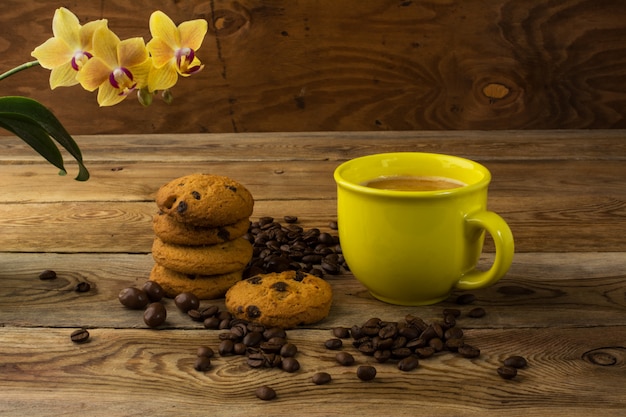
469 188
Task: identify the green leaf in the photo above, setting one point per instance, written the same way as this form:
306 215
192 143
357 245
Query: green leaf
26 115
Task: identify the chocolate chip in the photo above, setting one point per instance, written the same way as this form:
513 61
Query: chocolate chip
253 312
299 276
255 280
280 286
232 188
223 234
182 207
195 195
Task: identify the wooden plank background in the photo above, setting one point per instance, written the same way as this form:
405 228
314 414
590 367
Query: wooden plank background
354 65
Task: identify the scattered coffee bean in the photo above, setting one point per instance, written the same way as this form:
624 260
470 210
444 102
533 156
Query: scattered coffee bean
154 290
344 358
333 225
290 219
290 364
341 332
186 301
133 298
205 351
469 352
366 372
48 274
321 378
465 299
515 362
155 314
333 344
408 364
476 313
265 393
82 287
507 372
202 364
455 312
80 336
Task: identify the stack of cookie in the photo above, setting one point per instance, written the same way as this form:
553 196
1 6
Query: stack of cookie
199 246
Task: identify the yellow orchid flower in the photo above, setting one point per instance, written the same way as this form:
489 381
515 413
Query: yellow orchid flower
117 67
70 48
173 49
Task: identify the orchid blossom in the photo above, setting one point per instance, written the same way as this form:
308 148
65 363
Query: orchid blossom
117 67
173 49
70 48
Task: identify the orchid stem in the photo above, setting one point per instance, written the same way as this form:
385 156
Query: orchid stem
19 68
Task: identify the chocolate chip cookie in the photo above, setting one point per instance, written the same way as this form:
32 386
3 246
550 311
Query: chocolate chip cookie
286 299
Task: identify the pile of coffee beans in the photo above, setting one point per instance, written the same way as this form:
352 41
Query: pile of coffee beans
278 248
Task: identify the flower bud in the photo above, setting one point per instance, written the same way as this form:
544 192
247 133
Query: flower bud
167 95
144 96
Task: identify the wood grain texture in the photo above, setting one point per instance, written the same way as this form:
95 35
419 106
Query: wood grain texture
561 305
352 65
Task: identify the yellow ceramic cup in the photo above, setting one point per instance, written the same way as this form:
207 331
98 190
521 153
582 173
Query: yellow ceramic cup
416 247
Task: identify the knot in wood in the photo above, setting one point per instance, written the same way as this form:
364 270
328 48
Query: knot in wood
606 356
226 22
496 91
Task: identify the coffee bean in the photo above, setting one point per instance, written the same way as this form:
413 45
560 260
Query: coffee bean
205 351
288 350
195 315
469 352
290 364
154 290
133 298
265 393
274 332
507 372
186 301
291 219
515 362
366 372
321 378
252 339
341 332
226 347
455 312
48 274
202 364
240 348
408 364
80 336
333 344
465 299
382 356
82 287
477 313
211 323
344 358
155 314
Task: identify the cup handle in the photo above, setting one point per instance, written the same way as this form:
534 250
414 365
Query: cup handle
503 240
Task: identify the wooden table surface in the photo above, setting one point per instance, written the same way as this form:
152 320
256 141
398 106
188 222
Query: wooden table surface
562 305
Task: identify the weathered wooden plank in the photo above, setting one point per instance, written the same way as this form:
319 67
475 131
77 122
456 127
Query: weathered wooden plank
551 289
352 65
278 146
119 371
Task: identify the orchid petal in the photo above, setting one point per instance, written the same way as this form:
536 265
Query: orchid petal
192 33
105 46
52 53
93 74
162 78
131 52
63 76
87 31
160 51
141 73
161 26
108 95
65 26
